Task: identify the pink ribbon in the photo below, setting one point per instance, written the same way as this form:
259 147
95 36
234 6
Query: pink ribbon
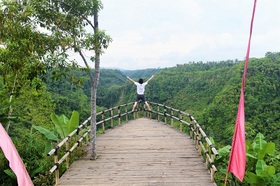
237 161
14 159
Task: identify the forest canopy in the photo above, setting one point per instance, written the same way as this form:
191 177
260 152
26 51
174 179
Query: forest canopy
209 91
38 83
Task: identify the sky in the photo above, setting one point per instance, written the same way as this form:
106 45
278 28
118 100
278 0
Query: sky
159 34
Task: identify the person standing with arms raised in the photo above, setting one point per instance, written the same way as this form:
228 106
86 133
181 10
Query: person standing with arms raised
140 91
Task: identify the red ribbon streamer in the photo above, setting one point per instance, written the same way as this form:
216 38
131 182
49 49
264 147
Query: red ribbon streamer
14 159
237 161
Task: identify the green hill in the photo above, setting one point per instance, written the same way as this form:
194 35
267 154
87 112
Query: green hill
210 91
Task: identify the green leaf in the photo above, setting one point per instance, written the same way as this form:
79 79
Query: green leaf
275 180
225 150
223 171
60 123
268 172
260 167
73 123
36 171
269 148
264 171
251 156
10 173
251 178
48 147
48 134
259 143
212 140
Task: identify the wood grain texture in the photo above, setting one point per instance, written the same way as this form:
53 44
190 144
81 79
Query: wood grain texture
141 152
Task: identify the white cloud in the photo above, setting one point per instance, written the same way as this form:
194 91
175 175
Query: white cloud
156 33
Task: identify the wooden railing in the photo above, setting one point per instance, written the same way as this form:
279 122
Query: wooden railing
112 117
82 132
202 142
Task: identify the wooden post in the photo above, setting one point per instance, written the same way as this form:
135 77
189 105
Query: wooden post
191 132
181 125
112 122
197 140
191 127
77 135
119 112
198 143
103 123
150 112
67 158
126 116
212 174
194 130
172 118
226 179
57 166
158 112
207 161
212 156
87 133
165 114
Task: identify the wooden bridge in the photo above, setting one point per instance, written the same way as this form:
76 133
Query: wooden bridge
143 151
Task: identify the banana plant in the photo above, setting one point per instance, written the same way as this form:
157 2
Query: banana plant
263 174
13 176
62 125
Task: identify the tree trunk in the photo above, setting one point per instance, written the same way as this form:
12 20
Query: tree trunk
93 93
10 103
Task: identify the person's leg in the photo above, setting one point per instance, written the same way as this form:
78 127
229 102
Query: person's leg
135 103
145 101
134 106
147 104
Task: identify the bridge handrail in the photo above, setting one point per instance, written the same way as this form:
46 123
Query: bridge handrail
196 133
84 136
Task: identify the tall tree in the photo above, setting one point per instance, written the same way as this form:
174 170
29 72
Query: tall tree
94 90
61 26
22 48
70 22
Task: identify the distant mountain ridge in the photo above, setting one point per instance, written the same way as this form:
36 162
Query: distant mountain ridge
144 73
210 91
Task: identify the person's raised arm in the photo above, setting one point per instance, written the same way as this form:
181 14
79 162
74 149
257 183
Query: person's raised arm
150 78
130 79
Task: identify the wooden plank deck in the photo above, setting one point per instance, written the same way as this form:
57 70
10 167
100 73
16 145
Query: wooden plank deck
141 152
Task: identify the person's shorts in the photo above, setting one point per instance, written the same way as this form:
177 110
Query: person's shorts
140 97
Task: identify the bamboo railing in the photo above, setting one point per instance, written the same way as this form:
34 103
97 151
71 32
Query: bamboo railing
117 115
82 132
202 142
